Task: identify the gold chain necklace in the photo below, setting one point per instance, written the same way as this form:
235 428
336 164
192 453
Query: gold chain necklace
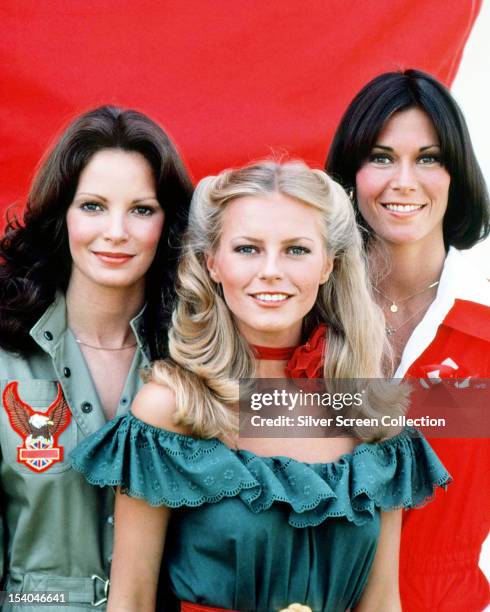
104 348
394 305
390 330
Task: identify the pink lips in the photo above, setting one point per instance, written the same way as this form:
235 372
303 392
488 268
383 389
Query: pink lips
113 258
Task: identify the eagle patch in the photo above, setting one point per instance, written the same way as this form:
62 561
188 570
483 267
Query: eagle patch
39 430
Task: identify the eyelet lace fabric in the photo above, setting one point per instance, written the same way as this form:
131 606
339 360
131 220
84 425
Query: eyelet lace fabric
166 468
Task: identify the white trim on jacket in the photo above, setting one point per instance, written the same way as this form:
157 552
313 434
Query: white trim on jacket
459 280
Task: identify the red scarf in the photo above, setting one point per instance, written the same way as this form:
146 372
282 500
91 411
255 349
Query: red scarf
305 361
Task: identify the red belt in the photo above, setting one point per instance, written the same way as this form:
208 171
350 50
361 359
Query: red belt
187 606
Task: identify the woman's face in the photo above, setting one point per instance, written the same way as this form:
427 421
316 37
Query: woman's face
402 188
115 221
270 261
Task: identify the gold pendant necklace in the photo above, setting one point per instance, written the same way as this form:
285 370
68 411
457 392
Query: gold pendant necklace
394 306
390 330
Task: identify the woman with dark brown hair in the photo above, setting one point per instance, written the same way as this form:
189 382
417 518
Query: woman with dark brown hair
86 286
403 151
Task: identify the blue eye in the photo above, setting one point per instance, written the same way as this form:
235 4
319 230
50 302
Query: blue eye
246 249
427 160
144 211
91 206
298 250
380 158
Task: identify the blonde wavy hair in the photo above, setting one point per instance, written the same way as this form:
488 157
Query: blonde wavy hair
208 356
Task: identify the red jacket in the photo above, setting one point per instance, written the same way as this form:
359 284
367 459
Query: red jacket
441 543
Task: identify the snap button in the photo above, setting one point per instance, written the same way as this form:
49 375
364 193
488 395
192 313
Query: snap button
48 335
110 520
124 401
67 372
87 407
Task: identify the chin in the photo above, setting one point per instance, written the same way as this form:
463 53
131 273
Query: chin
273 326
115 283
401 238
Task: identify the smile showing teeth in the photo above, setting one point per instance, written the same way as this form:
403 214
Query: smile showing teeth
271 297
403 208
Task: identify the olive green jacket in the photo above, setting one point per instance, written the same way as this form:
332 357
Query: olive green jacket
56 531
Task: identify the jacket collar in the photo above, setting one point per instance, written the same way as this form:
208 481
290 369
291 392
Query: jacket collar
52 325
459 280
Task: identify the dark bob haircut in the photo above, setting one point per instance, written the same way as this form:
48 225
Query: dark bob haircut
35 259
467 218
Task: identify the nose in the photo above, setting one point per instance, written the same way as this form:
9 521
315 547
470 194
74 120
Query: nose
404 178
271 267
116 230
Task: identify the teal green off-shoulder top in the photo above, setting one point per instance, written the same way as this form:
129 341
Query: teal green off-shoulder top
256 534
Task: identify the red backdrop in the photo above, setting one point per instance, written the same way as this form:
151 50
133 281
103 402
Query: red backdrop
230 81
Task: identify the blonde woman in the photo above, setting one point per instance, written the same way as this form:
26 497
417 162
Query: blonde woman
272 258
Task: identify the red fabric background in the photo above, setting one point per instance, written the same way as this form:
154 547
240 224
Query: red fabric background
230 81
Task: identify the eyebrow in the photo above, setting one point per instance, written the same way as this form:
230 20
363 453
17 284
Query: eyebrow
258 240
92 195
96 195
385 148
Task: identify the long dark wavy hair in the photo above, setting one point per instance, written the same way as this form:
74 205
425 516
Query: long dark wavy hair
467 216
35 259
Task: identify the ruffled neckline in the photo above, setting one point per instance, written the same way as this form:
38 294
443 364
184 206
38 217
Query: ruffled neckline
407 431
175 470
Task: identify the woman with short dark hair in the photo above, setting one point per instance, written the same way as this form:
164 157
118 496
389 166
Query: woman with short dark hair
403 152
466 220
86 286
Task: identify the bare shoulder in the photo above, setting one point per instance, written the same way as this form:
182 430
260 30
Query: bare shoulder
155 404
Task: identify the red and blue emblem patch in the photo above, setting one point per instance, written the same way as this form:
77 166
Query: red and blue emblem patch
39 430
